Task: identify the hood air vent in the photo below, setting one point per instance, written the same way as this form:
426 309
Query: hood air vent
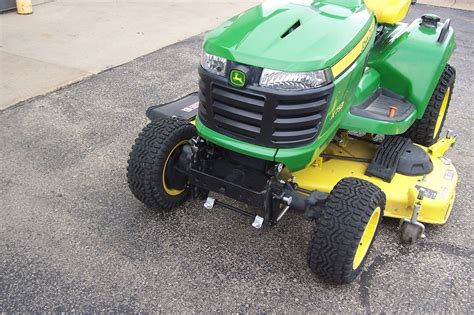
291 29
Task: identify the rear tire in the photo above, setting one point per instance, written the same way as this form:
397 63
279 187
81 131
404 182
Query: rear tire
426 131
151 174
345 232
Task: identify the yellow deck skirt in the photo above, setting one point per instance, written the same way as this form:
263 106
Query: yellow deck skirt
441 182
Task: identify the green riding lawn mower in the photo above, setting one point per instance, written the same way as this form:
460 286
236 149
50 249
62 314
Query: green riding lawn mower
333 108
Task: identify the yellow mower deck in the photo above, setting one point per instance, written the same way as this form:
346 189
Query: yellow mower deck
401 192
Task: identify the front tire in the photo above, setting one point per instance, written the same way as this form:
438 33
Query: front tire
345 232
151 172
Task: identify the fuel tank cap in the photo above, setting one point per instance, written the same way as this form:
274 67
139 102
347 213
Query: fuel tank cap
430 20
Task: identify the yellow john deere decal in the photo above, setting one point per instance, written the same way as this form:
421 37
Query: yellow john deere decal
349 59
237 78
336 111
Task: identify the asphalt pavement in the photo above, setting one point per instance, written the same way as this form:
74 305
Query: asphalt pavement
73 238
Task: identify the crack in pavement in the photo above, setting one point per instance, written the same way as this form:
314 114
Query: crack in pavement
424 247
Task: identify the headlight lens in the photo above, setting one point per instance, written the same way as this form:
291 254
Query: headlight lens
214 64
293 80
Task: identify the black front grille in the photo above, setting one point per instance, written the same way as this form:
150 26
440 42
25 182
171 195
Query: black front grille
266 117
298 121
239 113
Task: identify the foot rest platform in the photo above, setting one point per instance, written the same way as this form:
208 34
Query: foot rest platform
379 105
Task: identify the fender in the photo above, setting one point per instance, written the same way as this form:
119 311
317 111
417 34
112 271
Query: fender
411 58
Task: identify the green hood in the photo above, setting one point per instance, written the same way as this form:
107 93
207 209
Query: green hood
296 36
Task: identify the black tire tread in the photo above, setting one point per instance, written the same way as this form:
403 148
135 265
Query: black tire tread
147 159
422 131
336 236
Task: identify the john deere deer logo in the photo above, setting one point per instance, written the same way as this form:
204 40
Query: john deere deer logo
237 78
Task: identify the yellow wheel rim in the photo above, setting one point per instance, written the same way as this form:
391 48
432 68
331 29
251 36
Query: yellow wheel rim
366 238
168 190
442 112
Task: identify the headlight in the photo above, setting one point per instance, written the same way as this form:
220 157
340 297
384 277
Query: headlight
213 63
293 80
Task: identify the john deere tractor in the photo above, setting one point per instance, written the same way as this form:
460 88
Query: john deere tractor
333 108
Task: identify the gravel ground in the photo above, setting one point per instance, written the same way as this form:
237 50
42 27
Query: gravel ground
72 237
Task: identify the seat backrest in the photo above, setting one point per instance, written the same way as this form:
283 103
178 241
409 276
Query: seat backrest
388 11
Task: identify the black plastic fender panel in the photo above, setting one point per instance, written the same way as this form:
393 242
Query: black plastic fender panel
184 108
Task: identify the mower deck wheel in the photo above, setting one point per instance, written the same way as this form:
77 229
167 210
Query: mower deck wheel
346 230
410 233
152 176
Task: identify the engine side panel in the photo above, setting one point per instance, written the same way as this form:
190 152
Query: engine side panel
410 61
